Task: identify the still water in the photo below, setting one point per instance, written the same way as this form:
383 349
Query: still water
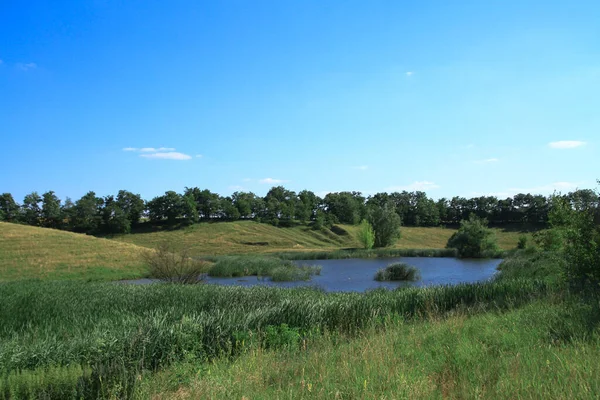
356 275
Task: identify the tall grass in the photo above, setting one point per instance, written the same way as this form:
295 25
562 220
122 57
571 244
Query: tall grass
363 253
144 327
398 272
279 270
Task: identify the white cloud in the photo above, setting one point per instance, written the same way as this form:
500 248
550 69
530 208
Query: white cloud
153 150
409 73
566 144
26 66
487 160
171 155
272 181
418 185
198 155
130 149
361 167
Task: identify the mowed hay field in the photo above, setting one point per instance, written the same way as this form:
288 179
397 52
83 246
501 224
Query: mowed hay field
31 252
251 237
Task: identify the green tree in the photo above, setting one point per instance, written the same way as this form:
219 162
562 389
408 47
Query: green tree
114 218
473 239
579 227
87 213
168 206
386 224
9 209
51 213
32 213
229 210
188 210
132 205
366 234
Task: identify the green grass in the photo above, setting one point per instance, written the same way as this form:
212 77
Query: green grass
294 273
31 252
524 353
248 237
398 272
279 270
120 331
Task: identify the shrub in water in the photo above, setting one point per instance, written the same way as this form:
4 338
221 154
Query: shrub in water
398 272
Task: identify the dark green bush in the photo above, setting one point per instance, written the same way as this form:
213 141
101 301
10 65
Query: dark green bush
398 272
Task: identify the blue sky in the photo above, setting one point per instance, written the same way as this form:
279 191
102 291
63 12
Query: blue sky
451 97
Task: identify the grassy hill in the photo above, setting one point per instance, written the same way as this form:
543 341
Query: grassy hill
31 252
250 237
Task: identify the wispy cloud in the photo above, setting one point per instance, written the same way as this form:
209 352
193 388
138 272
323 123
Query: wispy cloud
164 153
487 161
153 150
566 144
409 73
26 66
272 181
361 167
247 179
171 155
198 155
418 185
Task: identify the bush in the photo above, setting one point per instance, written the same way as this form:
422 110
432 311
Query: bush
522 244
167 264
366 235
474 239
398 272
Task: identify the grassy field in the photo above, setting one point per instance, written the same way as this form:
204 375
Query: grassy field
519 336
526 353
30 252
250 237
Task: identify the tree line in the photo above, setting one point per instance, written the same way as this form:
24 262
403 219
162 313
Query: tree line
280 207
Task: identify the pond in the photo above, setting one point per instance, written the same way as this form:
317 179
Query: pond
356 275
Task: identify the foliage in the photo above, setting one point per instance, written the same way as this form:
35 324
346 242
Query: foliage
32 213
366 235
532 263
132 205
398 272
174 265
580 230
474 239
87 214
51 213
386 225
9 209
522 244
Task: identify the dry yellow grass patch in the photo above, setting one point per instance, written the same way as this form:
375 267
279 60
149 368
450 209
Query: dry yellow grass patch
32 252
